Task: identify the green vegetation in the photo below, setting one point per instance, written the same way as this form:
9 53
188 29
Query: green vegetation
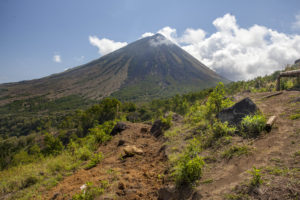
187 167
96 158
235 151
295 116
43 140
256 177
89 191
252 126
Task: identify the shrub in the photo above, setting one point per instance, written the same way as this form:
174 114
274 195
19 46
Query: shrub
89 192
53 146
217 101
220 129
252 126
94 160
100 136
256 177
166 122
188 168
295 116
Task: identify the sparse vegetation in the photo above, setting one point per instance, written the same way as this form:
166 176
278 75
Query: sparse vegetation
89 191
235 151
256 177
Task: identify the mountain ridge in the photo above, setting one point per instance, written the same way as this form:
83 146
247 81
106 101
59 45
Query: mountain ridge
147 68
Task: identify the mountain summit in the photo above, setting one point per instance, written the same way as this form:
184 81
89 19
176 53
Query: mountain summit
147 68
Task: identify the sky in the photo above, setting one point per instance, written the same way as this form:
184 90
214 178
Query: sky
238 39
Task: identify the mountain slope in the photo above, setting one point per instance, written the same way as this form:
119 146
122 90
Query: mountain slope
150 67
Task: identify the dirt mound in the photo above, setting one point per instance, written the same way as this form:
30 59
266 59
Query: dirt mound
135 177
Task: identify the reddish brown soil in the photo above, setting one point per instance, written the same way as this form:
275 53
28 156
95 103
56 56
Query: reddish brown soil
137 177
280 144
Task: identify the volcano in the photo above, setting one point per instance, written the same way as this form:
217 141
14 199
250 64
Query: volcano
152 67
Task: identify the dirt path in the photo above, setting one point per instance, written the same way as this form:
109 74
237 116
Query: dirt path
137 177
275 145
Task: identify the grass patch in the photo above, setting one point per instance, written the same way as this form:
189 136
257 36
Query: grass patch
295 116
24 181
235 151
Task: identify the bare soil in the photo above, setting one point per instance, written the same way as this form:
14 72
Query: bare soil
137 177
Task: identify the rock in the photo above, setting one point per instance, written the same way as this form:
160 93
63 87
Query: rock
144 130
166 193
132 150
158 128
121 186
175 117
119 127
237 112
196 196
121 142
55 196
297 61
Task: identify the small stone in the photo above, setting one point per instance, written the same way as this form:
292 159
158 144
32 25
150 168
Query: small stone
121 142
121 186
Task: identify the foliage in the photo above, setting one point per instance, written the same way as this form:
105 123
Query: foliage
217 101
53 146
252 126
256 177
166 121
96 159
220 129
235 151
187 168
295 116
89 192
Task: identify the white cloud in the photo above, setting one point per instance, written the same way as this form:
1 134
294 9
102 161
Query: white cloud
238 53
296 24
57 58
104 45
232 51
147 34
169 33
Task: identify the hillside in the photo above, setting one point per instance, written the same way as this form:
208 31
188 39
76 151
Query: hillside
149 68
174 148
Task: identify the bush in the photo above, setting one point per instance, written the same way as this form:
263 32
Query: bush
217 101
256 177
94 160
89 192
53 146
188 167
220 129
252 126
189 171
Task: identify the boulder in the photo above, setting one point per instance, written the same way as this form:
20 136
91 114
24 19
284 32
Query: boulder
119 127
237 112
132 150
158 127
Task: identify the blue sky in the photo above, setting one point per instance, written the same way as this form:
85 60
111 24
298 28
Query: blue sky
39 38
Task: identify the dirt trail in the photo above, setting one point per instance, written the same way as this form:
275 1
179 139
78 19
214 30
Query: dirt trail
274 145
137 177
